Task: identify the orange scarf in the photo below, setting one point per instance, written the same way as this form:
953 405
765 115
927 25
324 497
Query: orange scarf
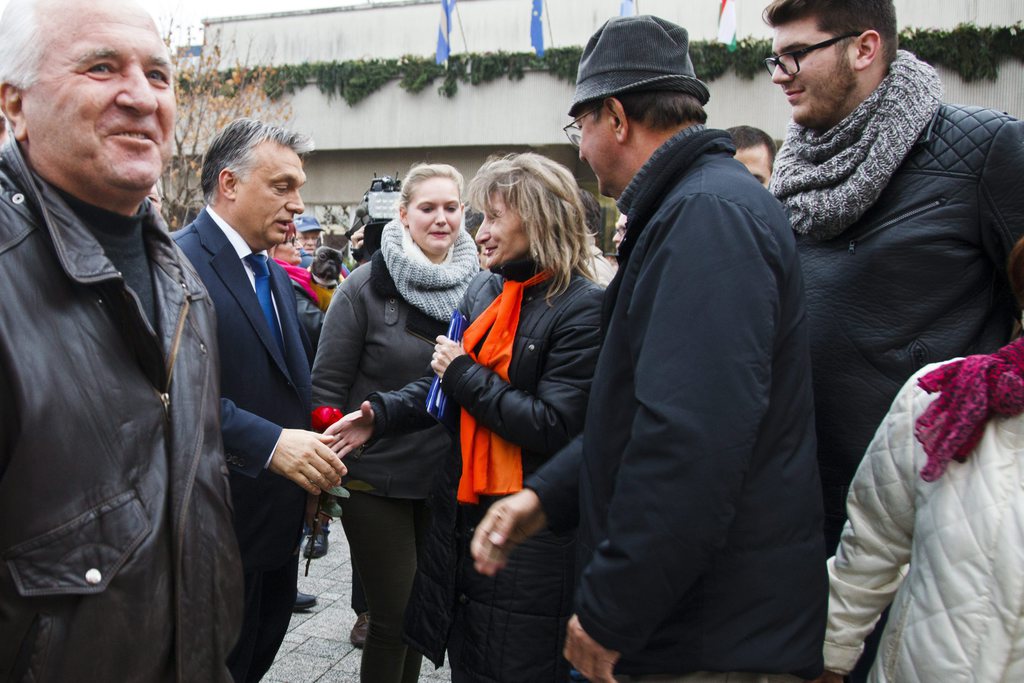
492 466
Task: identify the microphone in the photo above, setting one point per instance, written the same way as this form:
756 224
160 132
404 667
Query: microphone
361 218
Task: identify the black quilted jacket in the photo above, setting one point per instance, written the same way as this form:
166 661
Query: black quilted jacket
509 628
920 278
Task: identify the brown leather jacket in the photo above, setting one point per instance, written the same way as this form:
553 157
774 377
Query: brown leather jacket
119 562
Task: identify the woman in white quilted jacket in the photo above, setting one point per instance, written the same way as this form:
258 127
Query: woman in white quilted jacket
936 528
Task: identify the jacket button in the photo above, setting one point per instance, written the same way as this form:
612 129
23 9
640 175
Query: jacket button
202 347
18 198
531 347
93 576
463 599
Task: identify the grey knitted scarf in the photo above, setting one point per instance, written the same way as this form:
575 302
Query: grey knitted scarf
828 181
435 289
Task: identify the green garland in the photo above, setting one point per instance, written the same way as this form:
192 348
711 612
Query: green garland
354 81
973 53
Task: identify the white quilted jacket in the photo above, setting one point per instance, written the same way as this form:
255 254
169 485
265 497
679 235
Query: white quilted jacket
951 551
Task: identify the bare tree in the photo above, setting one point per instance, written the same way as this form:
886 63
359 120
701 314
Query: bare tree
210 95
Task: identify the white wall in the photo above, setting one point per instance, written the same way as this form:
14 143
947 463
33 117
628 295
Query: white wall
386 30
391 128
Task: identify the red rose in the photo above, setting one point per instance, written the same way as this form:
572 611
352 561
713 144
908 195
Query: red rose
324 417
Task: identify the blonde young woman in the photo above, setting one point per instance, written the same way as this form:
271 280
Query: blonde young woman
520 380
379 335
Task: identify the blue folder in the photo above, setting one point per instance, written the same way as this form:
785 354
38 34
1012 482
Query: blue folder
437 401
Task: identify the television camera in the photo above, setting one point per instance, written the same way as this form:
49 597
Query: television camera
378 208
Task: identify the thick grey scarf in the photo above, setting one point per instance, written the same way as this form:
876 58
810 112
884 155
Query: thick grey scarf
434 288
828 181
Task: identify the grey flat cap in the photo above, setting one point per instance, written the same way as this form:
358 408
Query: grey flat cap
630 54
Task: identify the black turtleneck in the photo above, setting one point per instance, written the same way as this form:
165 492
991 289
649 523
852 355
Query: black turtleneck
520 270
122 242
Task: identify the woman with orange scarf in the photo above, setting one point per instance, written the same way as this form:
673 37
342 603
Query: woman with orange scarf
520 380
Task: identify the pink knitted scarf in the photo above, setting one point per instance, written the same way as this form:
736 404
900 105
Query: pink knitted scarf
300 275
972 391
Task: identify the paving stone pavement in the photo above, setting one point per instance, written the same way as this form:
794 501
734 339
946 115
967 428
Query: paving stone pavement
316 648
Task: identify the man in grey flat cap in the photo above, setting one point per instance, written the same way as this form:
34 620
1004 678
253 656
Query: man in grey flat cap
694 484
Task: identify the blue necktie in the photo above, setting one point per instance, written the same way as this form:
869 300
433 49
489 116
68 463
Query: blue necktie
258 262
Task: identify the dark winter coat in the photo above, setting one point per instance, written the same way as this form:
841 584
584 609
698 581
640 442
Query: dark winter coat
512 627
119 560
920 278
373 340
310 316
694 483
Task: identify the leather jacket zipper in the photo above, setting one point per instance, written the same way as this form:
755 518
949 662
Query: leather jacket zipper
898 218
186 497
165 396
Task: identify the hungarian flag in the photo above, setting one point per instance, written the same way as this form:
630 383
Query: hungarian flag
727 24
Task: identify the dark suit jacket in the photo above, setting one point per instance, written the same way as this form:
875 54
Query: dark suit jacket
261 393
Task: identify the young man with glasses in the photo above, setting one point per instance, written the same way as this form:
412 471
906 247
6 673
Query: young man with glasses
905 210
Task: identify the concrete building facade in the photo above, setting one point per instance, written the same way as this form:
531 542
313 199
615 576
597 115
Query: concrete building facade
391 129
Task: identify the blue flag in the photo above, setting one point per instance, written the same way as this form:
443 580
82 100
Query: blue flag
627 8
444 31
537 28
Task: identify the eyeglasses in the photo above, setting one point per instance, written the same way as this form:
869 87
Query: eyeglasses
574 131
789 62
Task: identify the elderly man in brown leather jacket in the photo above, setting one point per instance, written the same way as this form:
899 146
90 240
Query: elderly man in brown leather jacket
119 559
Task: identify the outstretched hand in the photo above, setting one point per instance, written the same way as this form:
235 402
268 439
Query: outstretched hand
508 522
351 431
305 458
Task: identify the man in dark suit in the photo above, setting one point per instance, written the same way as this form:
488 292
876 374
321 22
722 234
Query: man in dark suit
251 177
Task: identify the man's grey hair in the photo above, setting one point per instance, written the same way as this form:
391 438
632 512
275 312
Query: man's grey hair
233 147
21 43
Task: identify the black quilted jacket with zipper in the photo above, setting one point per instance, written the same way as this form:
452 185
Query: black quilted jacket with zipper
510 628
919 278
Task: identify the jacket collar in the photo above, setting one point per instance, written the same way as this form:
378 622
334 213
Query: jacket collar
380 277
226 263
670 162
517 271
210 234
77 249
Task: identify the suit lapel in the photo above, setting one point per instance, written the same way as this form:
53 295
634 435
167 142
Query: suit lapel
229 269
